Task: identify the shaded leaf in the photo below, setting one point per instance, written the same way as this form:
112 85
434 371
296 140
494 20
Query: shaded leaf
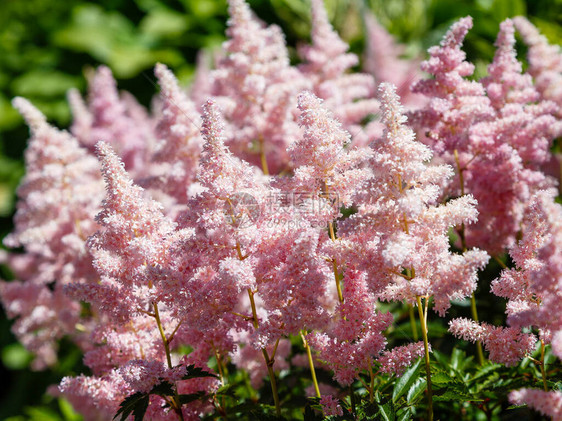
135 404
406 381
195 372
416 390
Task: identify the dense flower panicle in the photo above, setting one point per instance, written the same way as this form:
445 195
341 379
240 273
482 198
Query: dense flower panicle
234 262
383 60
130 246
355 337
506 345
399 224
534 290
497 143
547 403
545 61
399 358
256 87
506 153
324 165
58 198
118 119
455 103
326 63
179 138
330 406
506 83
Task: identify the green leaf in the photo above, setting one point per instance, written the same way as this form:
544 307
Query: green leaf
164 23
406 381
135 404
404 414
15 356
45 83
416 390
440 377
67 411
386 411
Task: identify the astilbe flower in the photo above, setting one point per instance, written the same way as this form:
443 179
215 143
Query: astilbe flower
399 225
330 406
539 280
494 132
129 254
455 103
179 139
547 403
58 198
129 248
545 61
355 337
256 87
506 345
117 118
325 165
503 169
326 63
383 60
399 358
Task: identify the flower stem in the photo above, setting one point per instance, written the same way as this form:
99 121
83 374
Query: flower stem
268 361
263 159
310 363
543 369
475 318
423 315
175 399
462 236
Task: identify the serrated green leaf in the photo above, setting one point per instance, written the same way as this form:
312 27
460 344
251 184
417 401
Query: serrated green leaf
404 414
405 382
440 377
416 390
163 389
195 372
135 404
386 411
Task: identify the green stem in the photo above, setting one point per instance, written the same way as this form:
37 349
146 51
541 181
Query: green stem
422 315
268 361
543 369
475 318
175 399
310 363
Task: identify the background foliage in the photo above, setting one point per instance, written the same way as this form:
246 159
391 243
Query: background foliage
48 46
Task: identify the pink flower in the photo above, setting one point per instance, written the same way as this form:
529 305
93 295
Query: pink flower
331 406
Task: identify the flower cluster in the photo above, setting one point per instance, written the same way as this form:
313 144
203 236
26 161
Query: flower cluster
195 245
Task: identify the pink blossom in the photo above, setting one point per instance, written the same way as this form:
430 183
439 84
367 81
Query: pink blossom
331 406
547 403
505 345
399 358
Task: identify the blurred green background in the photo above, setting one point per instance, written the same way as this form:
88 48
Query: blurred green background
48 46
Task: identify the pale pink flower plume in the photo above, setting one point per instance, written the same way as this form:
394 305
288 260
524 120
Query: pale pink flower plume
383 60
399 358
547 403
58 198
506 345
